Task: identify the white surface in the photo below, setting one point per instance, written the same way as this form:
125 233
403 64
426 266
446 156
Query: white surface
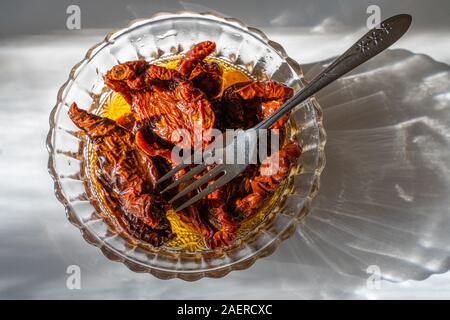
38 243
306 46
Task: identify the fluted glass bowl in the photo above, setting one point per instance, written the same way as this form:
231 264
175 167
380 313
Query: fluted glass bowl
159 37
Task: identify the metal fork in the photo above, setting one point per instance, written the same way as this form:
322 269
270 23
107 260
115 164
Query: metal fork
367 47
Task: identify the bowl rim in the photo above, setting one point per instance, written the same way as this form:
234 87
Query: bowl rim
190 275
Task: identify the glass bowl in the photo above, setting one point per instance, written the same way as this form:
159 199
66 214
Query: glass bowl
160 37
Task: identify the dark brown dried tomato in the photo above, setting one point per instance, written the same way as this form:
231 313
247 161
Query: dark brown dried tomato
122 172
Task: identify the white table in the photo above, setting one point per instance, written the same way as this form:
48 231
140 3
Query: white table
38 243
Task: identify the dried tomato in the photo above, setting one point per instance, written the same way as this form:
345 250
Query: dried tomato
135 150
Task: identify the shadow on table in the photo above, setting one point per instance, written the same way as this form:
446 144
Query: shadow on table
383 200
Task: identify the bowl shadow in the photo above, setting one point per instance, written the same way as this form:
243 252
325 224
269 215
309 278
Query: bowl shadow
383 201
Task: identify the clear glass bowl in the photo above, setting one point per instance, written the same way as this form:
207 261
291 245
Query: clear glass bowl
158 37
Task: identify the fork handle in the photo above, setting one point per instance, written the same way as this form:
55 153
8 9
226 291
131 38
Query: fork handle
371 44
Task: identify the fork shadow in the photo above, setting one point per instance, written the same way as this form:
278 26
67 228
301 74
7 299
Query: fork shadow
383 198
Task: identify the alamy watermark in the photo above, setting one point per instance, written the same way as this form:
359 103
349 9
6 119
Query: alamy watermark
374 19
229 147
73 281
373 282
73 21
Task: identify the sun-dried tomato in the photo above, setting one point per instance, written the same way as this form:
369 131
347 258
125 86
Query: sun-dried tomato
135 150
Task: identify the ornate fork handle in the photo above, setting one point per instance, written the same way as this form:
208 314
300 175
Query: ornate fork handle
371 44
367 47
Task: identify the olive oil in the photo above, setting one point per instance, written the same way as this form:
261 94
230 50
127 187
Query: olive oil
187 239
